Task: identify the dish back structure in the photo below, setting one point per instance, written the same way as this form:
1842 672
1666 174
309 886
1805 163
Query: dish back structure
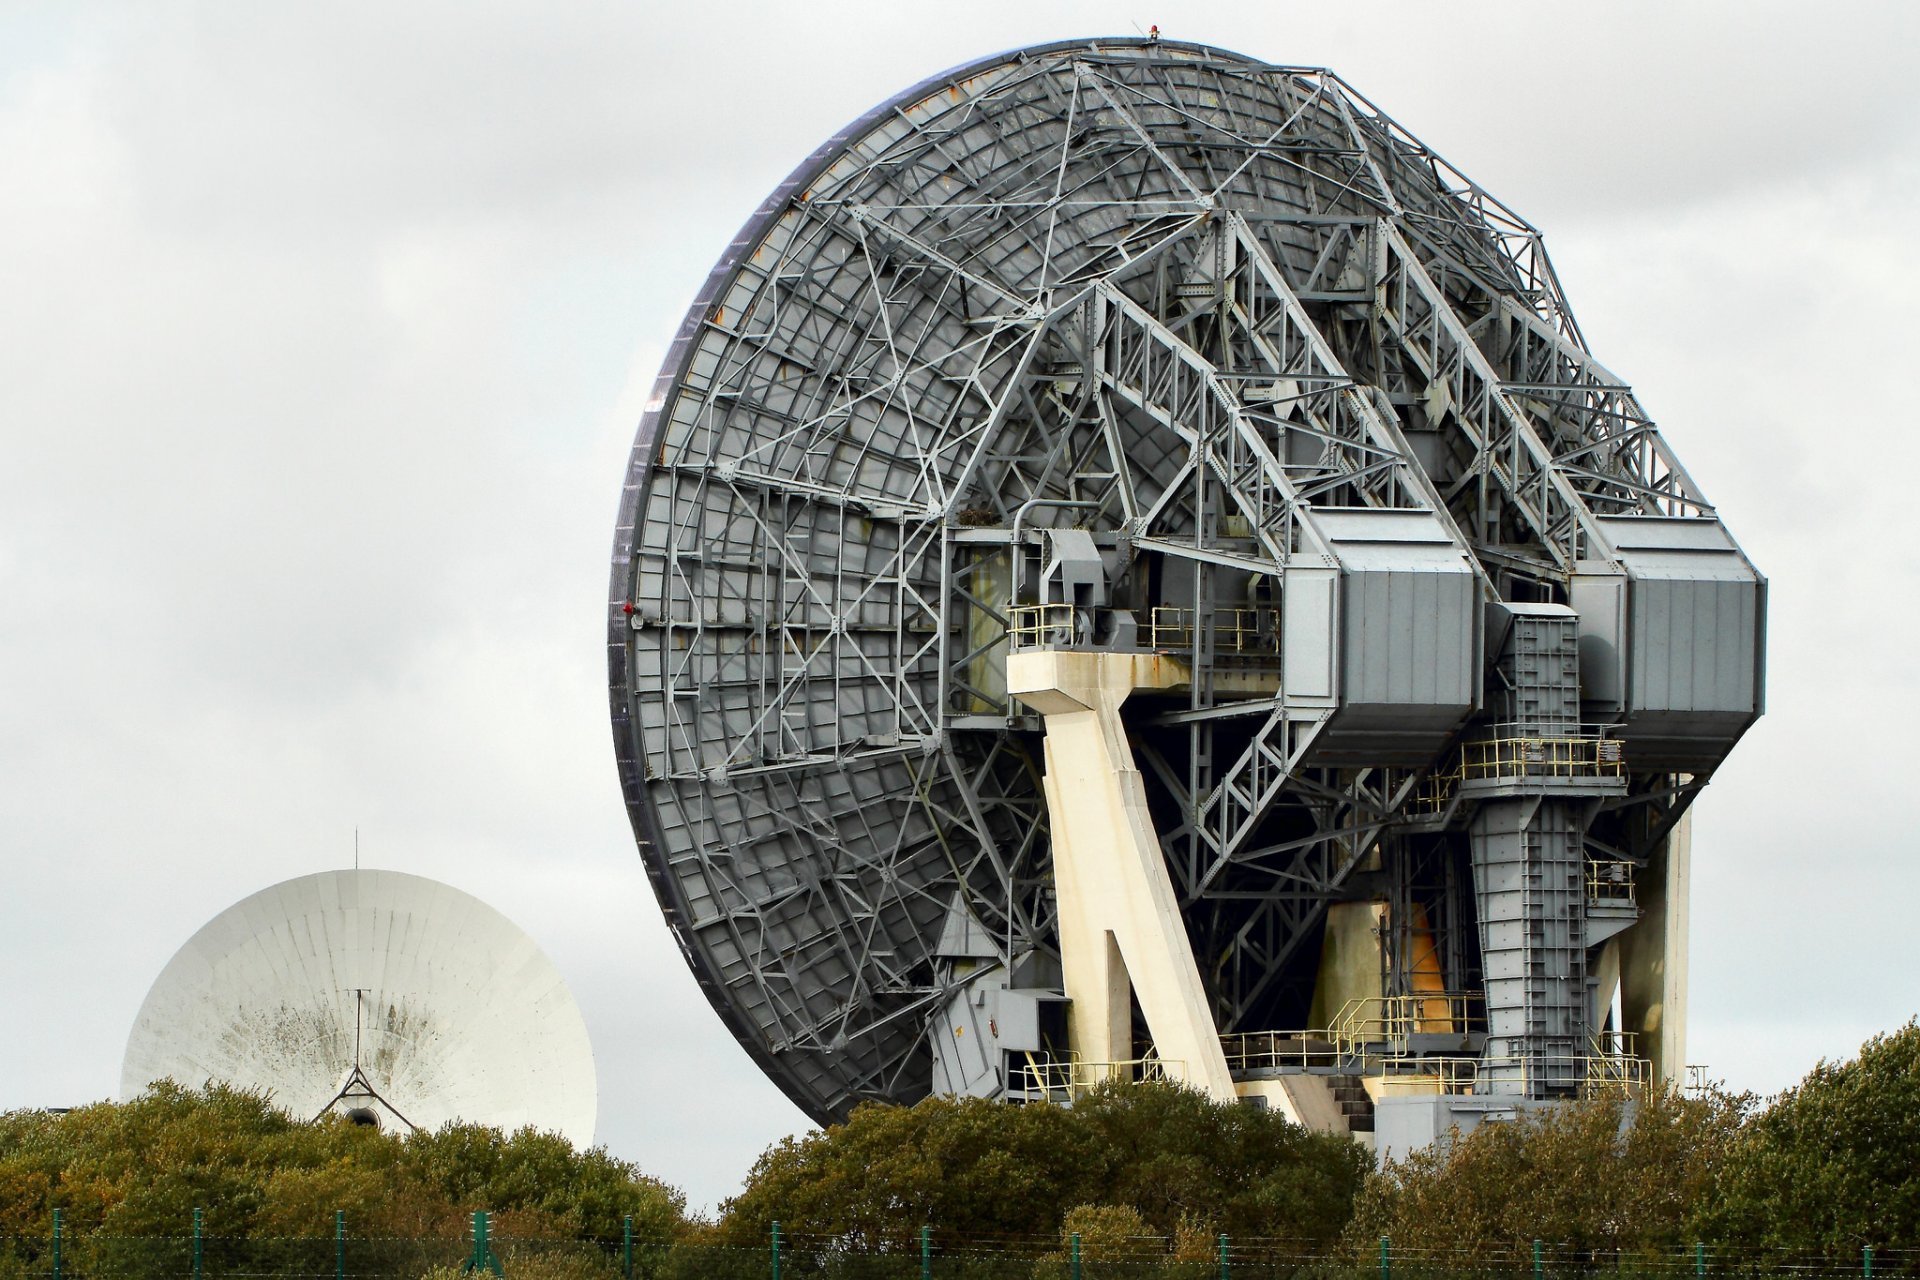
1131 350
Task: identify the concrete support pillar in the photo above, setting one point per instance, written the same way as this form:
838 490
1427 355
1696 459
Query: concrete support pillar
1653 959
1121 931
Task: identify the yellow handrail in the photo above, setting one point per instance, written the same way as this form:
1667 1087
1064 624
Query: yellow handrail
1610 880
1599 1075
1066 1078
1510 754
1033 625
1389 1021
1234 630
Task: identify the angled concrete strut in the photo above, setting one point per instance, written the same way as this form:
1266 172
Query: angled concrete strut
1120 924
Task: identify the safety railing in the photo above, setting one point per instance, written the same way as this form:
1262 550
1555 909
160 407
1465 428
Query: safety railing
1235 631
1617 1074
1250 1051
1610 881
1035 626
1591 1075
1614 1044
1432 1075
1053 1078
1385 1025
1512 751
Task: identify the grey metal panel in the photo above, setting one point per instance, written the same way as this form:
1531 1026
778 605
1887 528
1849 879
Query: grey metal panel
1695 641
1407 640
1599 597
1307 631
1695 631
1409 634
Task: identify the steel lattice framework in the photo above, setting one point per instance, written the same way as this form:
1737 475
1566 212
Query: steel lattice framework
1193 303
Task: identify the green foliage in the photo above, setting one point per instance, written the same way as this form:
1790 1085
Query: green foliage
1596 1177
140 1168
1148 1176
538 1185
1108 1232
1186 1162
969 1167
1832 1164
961 1165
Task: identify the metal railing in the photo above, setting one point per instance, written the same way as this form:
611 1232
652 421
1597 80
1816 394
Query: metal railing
1614 1044
1610 881
1062 1079
1385 1025
1281 1051
1594 1075
1034 626
1235 631
1242 632
1510 751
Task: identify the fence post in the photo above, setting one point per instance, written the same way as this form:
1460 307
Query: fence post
1386 1259
926 1253
56 1245
339 1244
776 1249
1538 1269
1866 1261
484 1258
626 1246
1699 1258
1225 1265
199 1251
1074 1247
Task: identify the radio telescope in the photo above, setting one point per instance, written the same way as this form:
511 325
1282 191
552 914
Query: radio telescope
1130 567
391 999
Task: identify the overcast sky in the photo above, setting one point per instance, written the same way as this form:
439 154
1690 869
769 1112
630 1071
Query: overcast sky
324 329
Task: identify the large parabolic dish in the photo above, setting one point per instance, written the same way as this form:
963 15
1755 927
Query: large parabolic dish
1130 347
389 998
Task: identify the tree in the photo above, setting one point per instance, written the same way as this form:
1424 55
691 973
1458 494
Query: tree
1830 1166
970 1167
1180 1158
140 1168
1598 1177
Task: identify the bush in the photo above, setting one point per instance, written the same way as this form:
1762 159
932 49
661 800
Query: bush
1830 1166
140 1168
1601 1177
969 1167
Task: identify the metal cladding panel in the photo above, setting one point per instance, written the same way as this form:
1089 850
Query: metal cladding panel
1408 640
1307 631
1695 631
1409 635
1695 642
1600 600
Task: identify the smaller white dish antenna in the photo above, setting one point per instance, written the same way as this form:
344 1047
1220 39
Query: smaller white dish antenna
391 999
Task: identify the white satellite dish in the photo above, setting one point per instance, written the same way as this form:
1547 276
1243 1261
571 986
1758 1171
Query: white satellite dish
392 999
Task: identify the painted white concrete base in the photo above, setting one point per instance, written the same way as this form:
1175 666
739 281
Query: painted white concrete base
1121 933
